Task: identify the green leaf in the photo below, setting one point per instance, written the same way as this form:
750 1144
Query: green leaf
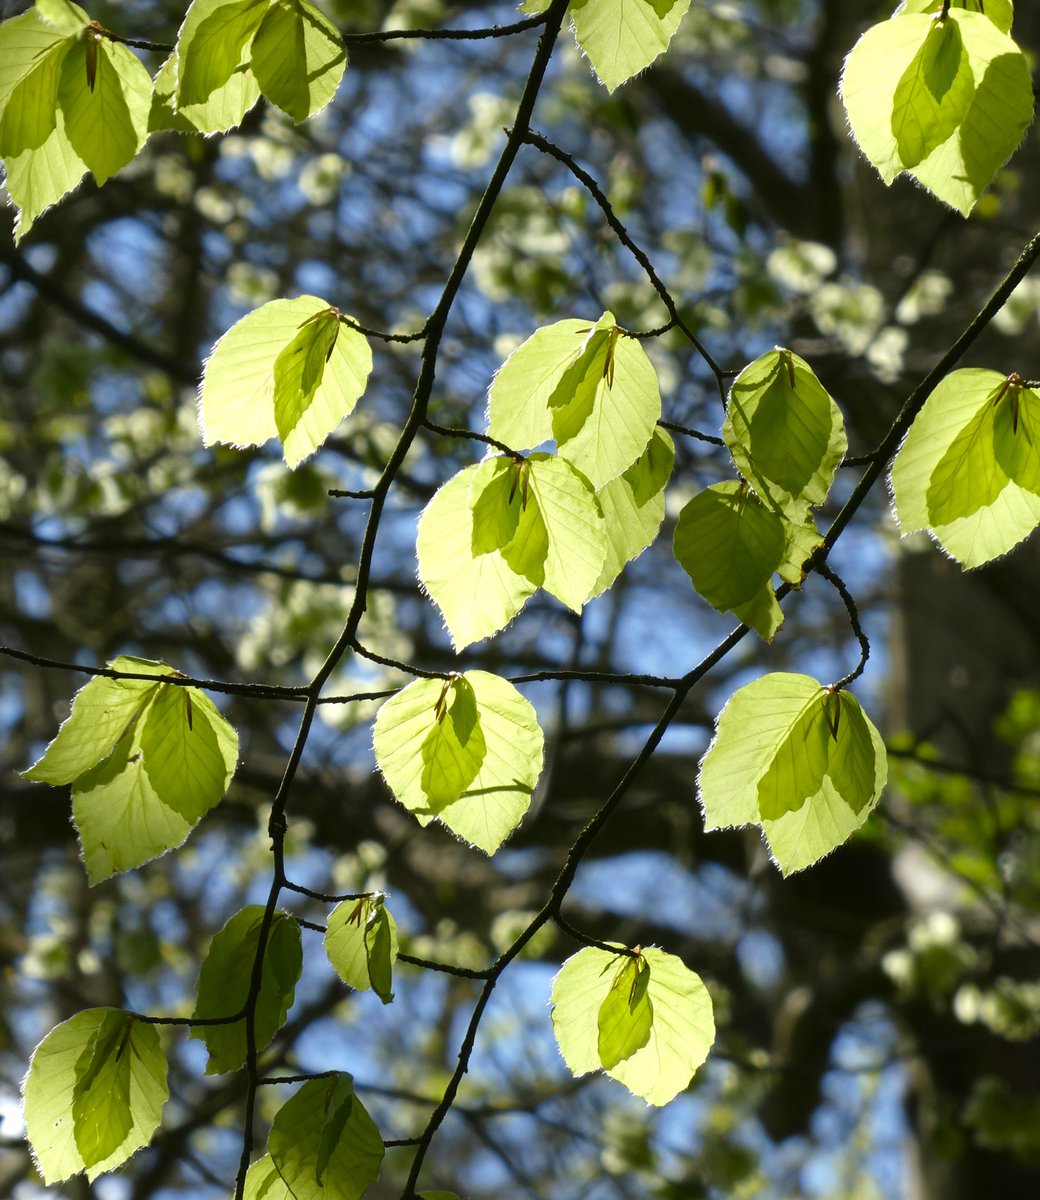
189 751
63 15
298 58
969 467
101 1113
497 497
492 804
633 507
97 1074
31 54
933 97
1000 12
681 1034
622 37
785 433
454 748
319 1154
215 87
802 540
264 1183
589 387
101 712
576 540
796 758
224 981
105 95
41 165
730 544
478 593
361 944
626 1016
146 761
901 97
437 1196
285 370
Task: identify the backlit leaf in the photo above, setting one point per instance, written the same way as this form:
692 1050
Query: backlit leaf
622 37
101 711
1000 12
361 945
324 1144
478 592
681 1034
589 387
101 1114
297 58
730 545
215 87
968 471
31 54
99 1075
264 1183
283 371
454 748
224 982
801 761
490 806
906 94
576 538
633 507
785 433
626 1016
106 113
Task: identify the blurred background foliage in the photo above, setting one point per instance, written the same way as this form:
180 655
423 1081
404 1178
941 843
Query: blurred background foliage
879 1015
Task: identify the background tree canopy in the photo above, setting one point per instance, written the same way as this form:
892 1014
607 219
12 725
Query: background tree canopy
246 402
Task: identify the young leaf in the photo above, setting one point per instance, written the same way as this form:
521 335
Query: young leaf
94 1093
498 498
623 37
906 93
290 369
576 540
934 94
681 1032
361 944
968 470
633 507
626 1016
589 387
264 1183
324 1144
31 54
1000 12
105 94
101 1115
799 760
40 163
785 433
478 592
454 748
146 762
224 981
802 540
215 87
63 15
488 808
730 545
101 712
297 58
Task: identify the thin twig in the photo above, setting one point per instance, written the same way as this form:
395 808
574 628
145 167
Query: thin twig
836 581
542 143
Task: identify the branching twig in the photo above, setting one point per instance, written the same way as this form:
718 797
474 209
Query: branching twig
625 238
